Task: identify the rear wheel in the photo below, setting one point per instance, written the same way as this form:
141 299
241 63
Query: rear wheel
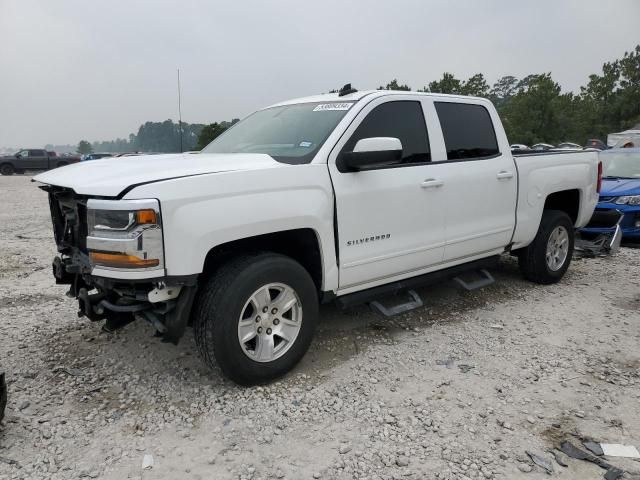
256 317
7 169
547 258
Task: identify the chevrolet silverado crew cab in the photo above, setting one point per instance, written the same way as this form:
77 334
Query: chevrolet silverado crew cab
339 197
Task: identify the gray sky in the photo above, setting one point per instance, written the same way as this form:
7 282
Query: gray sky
96 70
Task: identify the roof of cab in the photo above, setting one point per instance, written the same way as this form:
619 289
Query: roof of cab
351 97
326 97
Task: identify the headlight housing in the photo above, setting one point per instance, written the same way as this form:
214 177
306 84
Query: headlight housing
125 234
628 200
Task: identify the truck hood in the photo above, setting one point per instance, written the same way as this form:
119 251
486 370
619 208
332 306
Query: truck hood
109 177
621 186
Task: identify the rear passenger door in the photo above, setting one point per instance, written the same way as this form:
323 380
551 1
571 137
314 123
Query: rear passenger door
390 220
480 181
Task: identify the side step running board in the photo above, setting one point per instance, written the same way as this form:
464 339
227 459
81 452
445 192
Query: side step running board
415 302
371 294
485 279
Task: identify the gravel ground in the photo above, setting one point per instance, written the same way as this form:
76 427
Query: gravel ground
458 389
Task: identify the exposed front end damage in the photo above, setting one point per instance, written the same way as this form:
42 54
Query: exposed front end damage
120 293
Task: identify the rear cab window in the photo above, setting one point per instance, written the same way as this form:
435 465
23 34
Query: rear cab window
467 130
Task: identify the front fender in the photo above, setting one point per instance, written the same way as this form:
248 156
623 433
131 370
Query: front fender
202 212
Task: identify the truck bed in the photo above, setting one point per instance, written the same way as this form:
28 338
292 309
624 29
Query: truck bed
540 175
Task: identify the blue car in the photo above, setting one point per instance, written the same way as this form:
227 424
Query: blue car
620 190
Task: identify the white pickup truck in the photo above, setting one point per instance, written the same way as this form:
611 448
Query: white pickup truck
341 197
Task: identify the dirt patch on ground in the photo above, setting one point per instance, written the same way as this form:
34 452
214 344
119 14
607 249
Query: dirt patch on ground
25 300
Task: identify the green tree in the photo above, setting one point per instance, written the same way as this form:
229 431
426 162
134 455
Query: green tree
531 115
84 147
611 101
502 91
209 133
629 88
394 85
447 84
476 86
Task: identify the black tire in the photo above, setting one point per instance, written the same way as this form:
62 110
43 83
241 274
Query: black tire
220 304
7 169
532 259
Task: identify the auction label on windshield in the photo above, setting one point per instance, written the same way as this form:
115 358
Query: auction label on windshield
332 106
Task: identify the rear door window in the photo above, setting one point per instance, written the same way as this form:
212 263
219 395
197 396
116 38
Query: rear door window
399 119
468 131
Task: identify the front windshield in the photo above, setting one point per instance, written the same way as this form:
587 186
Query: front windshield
289 133
624 165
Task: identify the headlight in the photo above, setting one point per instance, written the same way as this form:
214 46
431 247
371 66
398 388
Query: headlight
628 200
125 234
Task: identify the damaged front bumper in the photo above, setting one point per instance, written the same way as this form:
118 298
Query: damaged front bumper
163 302
84 227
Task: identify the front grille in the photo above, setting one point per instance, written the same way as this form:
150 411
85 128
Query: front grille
69 217
57 219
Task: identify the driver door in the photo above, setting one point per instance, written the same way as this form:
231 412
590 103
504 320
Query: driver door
22 159
390 219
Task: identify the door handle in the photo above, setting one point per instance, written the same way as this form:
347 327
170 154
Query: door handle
504 174
432 183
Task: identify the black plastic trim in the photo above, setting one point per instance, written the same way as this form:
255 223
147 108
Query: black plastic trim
327 297
177 319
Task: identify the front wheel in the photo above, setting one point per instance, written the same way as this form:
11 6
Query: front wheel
547 258
256 317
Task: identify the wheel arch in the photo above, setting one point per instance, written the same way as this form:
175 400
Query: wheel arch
302 244
567 201
531 208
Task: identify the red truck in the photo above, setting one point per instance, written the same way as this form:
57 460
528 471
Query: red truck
33 159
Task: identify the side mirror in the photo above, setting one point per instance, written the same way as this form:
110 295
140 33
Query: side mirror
371 153
18 155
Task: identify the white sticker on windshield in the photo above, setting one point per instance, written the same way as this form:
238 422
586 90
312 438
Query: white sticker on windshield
332 106
305 144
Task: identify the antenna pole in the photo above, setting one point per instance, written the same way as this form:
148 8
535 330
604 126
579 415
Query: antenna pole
180 113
